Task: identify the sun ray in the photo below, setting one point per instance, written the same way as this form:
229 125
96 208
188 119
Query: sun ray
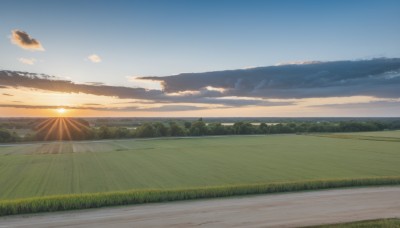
67 131
42 125
60 129
80 124
70 121
51 129
43 122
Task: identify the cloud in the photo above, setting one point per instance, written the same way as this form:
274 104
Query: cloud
32 106
30 61
95 83
92 104
175 108
94 58
25 41
18 79
297 63
364 105
147 84
284 85
376 77
163 108
7 94
210 88
56 107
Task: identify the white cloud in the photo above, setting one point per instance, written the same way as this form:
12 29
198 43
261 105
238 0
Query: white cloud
94 58
184 93
218 89
297 63
30 61
144 83
249 67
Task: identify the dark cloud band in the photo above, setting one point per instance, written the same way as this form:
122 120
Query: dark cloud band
377 77
235 88
18 79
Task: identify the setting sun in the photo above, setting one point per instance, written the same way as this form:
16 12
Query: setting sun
61 110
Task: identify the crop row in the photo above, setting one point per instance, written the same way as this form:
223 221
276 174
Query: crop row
95 200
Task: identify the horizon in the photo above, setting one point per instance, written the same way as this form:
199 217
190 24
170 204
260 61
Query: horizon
207 59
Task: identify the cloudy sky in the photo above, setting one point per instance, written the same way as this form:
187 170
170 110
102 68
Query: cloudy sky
200 58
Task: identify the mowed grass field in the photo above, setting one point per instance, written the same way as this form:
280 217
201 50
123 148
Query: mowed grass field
56 168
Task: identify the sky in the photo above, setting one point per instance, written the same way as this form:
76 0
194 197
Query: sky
200 58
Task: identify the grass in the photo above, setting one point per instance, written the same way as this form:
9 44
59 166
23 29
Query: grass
391 136
94 200
381 223
86 169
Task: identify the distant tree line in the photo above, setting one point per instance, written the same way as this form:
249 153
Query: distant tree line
194 128
8 136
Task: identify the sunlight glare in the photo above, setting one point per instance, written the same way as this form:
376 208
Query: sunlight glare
61 111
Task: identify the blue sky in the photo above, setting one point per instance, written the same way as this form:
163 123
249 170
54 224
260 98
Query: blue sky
156 38
163 38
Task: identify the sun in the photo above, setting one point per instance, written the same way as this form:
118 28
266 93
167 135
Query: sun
61 111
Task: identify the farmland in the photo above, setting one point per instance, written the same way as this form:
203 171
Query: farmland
43 169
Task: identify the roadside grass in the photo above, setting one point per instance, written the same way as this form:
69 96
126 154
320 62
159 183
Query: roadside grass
379 223
95 200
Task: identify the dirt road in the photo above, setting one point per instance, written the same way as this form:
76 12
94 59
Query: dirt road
274 210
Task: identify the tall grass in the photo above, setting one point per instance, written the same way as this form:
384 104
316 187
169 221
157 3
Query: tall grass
94 200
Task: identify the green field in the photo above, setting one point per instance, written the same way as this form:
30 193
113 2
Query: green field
390 136
85 167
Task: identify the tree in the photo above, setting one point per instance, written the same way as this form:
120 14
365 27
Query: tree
104 132
242 128
263 128
28 137
216 129
187 124
160 129
281 128
198 128
175 129
145 130
122 132
5 136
